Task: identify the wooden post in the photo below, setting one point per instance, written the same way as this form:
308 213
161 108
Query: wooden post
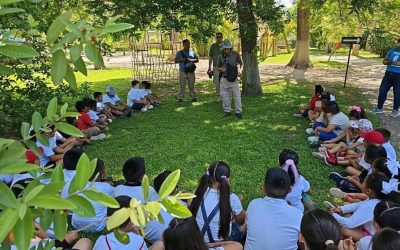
286 42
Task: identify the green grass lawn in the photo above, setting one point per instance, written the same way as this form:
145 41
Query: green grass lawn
190 136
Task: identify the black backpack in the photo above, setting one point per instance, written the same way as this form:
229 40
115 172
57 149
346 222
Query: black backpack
231 71
189 66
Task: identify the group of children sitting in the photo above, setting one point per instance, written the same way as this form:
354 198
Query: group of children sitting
95 114
368 185
369 217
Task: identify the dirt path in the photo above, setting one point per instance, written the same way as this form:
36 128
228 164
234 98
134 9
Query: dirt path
365 73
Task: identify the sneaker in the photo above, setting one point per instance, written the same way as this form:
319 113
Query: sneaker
330 161
310 131
239 115
227 113
336 192
98 137
395 113
318 155
150 107
144 110
336 177
328 204
109 120
297 115
313 139
377 111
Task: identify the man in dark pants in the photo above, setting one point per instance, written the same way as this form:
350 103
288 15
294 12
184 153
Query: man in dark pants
215 52
391 79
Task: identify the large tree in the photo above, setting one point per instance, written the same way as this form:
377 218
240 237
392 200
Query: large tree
301 57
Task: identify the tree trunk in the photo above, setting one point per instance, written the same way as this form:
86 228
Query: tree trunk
248 29
301 57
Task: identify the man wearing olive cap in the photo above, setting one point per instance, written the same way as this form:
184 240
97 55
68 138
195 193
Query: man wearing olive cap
227 64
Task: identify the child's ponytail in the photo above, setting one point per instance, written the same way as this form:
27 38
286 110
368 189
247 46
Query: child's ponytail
291 169
225 208
385 189
204 184
330 245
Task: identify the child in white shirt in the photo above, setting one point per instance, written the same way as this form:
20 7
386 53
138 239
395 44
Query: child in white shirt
288 160
70 162
136 98
377 187
271 222
391 152
149 95
215 206
110 242
386 215
101 211
114 103
101 108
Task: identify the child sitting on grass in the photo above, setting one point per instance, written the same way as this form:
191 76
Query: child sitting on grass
289 160
100 119
148 94
311 110
86 125
360 222
52 154
101 108
79 222
391 152
110 241
116 105
136 99
215 207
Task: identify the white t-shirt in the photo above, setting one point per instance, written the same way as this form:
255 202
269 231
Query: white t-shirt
341 121
58 136
99 106
93 115
101 211
146 92
295 196
362 215
390 151
134 192
109 242
364 164
47 151
365 243
211 199
68 176
133 94
6 178
18 177
112 100
272 224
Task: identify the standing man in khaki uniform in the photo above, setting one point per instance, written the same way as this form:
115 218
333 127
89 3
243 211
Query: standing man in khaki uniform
227 64
215 52
186 59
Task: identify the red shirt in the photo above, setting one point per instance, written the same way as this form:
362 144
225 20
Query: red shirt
314 99
32 157
84 121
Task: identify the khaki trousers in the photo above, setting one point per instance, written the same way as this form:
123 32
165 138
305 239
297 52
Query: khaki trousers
92 131
226 89
216 81
190 79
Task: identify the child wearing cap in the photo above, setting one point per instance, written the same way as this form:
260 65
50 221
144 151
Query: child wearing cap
112 100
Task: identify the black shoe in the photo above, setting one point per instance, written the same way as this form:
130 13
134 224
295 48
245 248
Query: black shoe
239 115
227 113
180 100
194 100
336 177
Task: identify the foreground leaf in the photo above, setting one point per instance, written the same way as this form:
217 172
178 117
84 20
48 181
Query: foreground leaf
169 184
69 129
18 51
118 217
101 198
23 231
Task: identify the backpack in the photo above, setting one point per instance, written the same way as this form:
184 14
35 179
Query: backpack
189 66
231 71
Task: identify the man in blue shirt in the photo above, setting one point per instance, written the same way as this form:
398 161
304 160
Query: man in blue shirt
186 59
391 79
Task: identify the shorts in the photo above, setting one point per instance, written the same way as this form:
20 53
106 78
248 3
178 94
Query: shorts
137 106
305 113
